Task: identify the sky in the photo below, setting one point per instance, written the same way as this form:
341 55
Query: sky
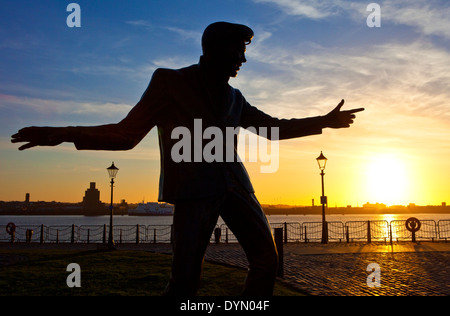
305 57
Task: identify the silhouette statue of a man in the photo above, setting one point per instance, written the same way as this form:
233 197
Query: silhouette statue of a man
201 191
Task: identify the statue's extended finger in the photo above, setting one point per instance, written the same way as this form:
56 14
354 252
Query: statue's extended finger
26 146
16 140
355 110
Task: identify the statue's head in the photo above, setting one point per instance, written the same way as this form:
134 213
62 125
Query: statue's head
224 46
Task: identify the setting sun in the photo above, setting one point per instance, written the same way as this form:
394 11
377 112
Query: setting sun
387 180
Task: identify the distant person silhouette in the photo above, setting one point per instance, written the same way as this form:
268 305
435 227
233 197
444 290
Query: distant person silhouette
200 191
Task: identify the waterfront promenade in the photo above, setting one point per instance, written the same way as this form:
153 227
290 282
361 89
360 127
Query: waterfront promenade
340 269
335 269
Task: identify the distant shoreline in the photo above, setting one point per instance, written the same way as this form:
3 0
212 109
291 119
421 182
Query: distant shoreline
317 210
58 212
268 210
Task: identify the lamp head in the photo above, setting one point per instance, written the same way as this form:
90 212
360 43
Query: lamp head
322 161
112 171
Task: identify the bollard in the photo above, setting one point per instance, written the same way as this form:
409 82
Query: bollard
217 234
279 244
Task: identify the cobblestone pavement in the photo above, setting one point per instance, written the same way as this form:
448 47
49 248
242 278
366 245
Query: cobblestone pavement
339 269
345 274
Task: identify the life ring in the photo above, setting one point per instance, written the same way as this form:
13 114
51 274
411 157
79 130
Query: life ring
10 228
413 224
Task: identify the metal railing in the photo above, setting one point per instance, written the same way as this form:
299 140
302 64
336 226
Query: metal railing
444 229
378 230
367 230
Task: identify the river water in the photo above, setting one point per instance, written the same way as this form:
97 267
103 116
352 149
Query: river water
167 220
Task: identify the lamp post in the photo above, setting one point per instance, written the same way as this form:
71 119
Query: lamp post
112 171
322 161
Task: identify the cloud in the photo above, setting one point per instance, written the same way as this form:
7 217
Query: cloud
137 73
186 34
173 62
403 88
65 107
140 23
311 9
427 17
418 68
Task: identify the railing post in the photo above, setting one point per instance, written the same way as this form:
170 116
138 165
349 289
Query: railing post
279 244
325 235
390 233
41 239
88 235
57 236
306 235
171 234
72 237
28 236
137 234
104 233
347 234
154 235
369 236
285 233
226 235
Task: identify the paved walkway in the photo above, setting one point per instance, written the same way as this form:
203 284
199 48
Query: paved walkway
340 269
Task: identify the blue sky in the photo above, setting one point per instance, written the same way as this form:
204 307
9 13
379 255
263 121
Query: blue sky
306 56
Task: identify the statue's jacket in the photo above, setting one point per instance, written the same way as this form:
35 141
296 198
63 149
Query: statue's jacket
180 98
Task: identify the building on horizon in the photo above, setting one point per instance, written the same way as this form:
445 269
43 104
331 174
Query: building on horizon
374 206
91 199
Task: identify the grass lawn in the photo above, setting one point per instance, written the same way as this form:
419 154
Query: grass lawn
120 272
